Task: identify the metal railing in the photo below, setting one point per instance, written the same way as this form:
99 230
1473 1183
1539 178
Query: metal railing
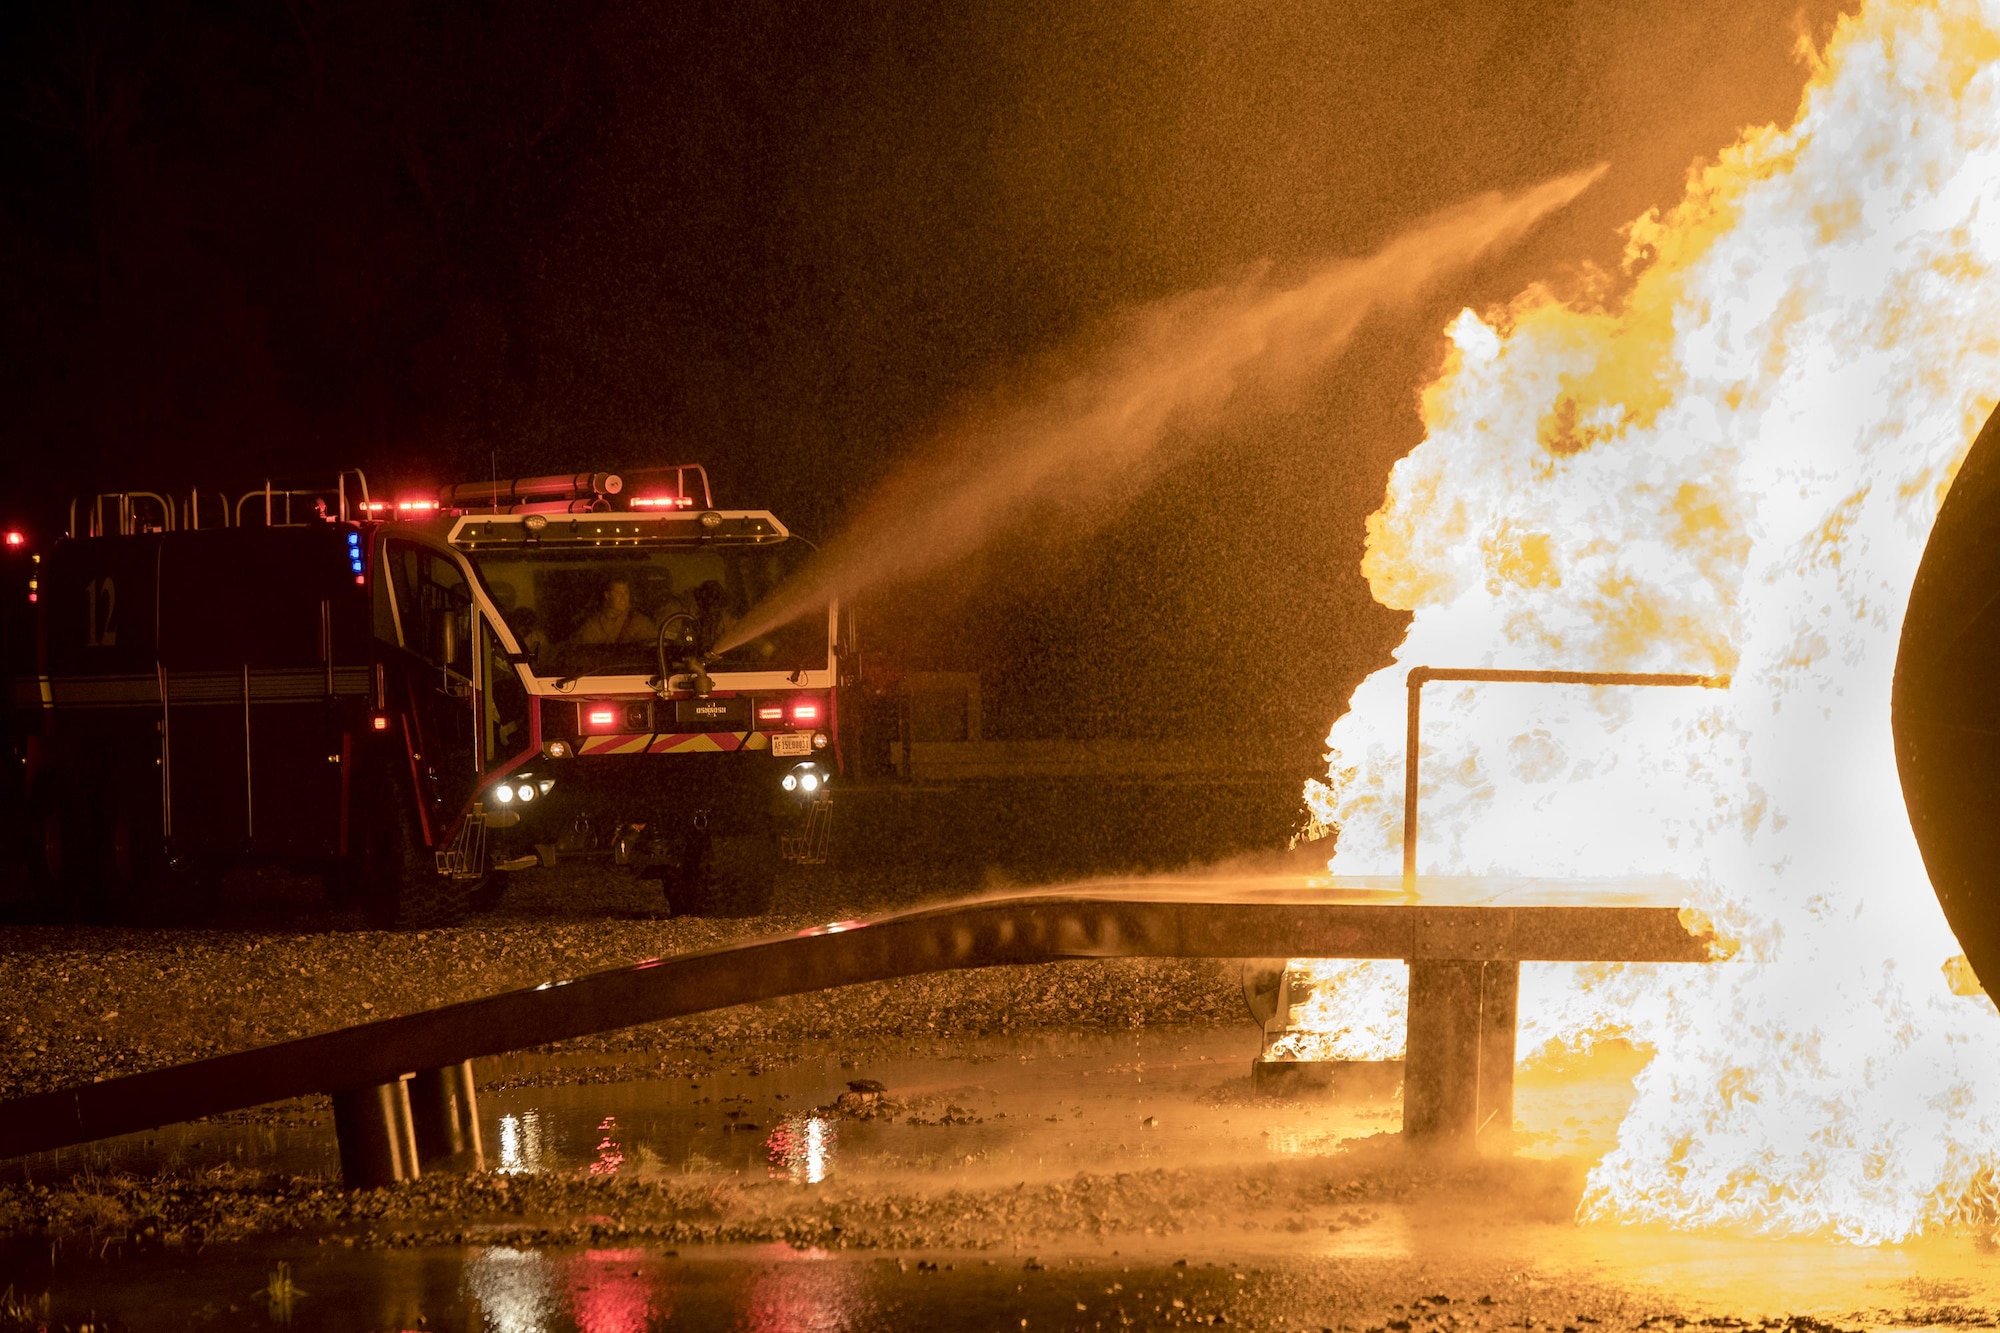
285 506
1413 726
133 512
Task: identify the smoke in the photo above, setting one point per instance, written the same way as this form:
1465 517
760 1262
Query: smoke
1075 448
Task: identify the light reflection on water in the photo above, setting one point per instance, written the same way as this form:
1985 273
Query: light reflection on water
610 1156
600 1291
521 1150
801 1148
631 1290
804 1297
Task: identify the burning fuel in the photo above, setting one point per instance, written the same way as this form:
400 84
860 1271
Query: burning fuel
1731 467
1098 434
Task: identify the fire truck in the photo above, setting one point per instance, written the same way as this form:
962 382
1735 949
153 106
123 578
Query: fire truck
416 695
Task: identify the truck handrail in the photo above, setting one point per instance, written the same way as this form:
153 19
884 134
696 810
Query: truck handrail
191 515
681 472
126 516
271 495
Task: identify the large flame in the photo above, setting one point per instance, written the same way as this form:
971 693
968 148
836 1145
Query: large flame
1731 467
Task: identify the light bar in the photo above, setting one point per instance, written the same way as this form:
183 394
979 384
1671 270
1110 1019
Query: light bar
661 502
416 506
651 527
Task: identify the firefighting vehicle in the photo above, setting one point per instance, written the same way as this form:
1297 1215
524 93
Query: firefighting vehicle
416 695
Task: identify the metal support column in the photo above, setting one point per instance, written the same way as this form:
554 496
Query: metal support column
1458 1079
445 1111
378 1144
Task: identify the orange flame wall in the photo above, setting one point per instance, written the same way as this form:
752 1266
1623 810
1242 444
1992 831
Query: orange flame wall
1732 467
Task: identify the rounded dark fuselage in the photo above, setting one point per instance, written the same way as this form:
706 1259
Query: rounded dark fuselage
1946 706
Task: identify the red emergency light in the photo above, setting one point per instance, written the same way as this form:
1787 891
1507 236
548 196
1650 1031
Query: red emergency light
416 506
377 507
16 538
770 712
806 712
380 721
661 502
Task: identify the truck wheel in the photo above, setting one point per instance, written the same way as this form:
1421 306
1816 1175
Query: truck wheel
398 884
59 846
725 876
137 882
132 879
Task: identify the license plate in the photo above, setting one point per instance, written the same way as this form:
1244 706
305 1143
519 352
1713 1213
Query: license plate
791 743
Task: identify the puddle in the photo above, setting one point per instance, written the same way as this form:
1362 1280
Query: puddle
1031 1108
991 1112
1026 1108
1537 1271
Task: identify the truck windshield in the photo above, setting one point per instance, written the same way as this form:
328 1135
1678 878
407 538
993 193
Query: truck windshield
599 612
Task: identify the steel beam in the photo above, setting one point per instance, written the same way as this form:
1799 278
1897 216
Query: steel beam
378 1145
445 1112
1458 1073
1312 919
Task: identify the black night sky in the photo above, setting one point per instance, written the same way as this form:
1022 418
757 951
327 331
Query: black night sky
785 240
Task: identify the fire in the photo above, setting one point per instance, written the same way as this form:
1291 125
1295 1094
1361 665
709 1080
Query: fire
1731 467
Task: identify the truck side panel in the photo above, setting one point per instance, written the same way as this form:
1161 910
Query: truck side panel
252 624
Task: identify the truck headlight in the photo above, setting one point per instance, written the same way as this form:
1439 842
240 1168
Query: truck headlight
503 793
805 779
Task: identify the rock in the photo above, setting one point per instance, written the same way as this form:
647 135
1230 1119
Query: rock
867 1087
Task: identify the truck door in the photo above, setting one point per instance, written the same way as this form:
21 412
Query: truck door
504 703
435 619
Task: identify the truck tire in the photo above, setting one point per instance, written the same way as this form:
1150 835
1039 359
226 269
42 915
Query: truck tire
398 885
132 879
138 883
729 876
59 868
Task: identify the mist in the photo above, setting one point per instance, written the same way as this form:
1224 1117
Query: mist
1074 450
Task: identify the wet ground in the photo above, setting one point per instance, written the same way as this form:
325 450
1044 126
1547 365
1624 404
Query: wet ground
1108 1181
